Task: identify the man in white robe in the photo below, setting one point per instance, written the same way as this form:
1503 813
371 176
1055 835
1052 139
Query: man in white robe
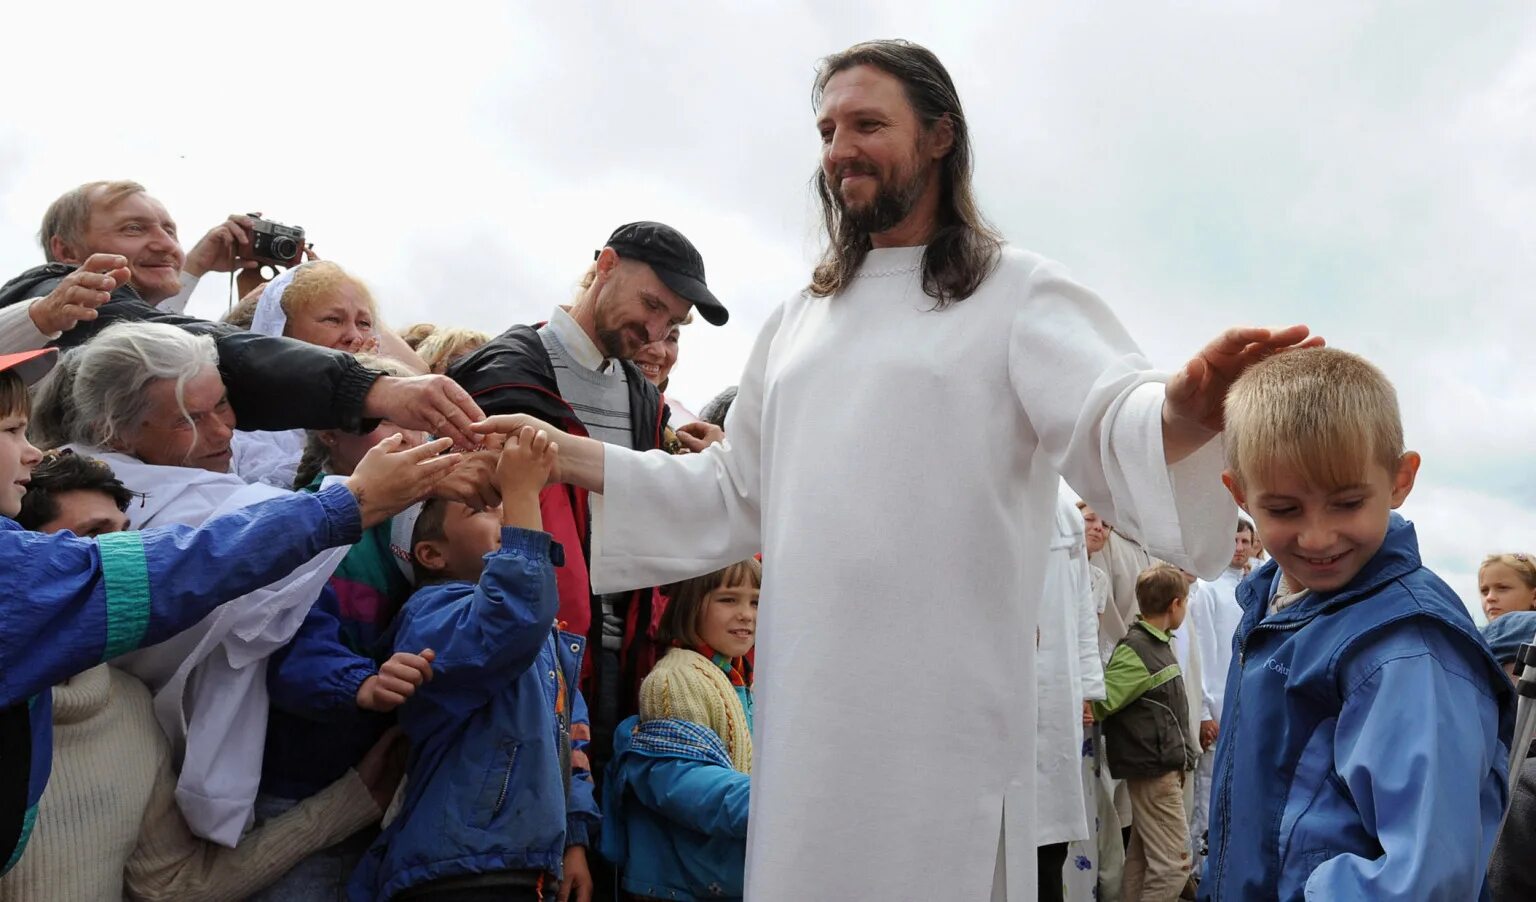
1067 672
894 452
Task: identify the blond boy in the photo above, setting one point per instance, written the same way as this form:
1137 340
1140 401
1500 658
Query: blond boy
1364 746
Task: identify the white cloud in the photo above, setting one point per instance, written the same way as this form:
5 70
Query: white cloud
1368 170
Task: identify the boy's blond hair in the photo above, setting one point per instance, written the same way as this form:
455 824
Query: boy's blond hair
1322 413
1158 587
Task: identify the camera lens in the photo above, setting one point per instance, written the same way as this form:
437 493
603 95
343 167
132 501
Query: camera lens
284 248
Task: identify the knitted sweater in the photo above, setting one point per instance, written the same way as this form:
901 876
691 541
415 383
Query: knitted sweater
108 825
685 685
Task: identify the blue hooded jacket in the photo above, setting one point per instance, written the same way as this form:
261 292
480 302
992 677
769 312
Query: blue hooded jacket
1365 747
485 788
676 812
73 603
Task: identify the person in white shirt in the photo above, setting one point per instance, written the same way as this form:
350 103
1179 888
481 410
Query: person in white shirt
1213 605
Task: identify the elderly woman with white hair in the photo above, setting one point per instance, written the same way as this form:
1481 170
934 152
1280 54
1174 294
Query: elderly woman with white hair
148 400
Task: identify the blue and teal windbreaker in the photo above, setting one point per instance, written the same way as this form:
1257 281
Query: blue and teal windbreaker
72 603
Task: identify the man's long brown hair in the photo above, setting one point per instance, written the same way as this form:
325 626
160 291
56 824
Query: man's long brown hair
964 247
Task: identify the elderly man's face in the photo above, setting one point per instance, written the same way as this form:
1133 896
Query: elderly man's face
635 308
198 438
139 228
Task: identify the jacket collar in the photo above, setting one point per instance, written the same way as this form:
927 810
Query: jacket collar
1157 634
1397 557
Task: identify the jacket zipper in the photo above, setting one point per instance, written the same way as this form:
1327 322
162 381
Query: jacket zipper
506 783
1226 772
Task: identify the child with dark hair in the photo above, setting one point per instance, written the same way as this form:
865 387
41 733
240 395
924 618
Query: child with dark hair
1146 734
499 801
74 492
679 787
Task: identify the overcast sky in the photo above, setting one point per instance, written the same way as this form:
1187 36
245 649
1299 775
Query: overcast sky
1367 169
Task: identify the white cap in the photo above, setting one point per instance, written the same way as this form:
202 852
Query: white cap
402 527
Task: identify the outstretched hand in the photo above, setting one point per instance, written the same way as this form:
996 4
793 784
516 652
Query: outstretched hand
1192 411
433 404
388 479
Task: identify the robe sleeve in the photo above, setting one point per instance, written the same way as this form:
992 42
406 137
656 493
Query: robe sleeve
1096 409
663 518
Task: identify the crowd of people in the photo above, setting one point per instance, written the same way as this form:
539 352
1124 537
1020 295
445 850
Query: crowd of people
303 605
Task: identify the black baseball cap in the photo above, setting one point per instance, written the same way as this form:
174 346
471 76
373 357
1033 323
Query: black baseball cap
675 261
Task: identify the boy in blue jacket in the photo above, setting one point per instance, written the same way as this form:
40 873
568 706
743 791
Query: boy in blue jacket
72 603
498 800
1364 750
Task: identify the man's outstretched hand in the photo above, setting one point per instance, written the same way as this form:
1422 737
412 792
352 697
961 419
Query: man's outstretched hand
433 404
1192 412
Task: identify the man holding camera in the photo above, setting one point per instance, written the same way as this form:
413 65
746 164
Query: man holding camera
113 255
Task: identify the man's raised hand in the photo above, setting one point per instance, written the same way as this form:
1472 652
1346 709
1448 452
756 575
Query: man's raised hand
1192 411
388 480
434 404
77 296
217 251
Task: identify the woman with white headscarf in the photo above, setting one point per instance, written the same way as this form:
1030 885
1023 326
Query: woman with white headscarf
317 303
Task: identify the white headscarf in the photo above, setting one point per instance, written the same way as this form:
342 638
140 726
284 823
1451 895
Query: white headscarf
269 318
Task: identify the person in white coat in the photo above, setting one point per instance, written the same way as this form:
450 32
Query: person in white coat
147 400
895 451
1216 613
1068 671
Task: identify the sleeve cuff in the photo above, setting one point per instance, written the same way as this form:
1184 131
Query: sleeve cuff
178 302
18 332
578 831
533 544
342 514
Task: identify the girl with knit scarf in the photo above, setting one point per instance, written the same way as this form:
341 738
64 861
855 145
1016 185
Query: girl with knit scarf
676 798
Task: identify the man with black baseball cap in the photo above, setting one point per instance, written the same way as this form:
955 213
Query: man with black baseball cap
674 260
575 371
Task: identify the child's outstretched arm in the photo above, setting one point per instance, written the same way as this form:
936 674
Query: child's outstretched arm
498 629
316 676
1419 745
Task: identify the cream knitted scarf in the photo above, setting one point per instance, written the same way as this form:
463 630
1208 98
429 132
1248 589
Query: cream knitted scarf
685 685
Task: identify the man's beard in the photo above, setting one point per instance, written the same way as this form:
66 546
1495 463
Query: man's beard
611 342
891 205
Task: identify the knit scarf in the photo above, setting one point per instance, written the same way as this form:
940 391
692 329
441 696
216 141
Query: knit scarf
689 685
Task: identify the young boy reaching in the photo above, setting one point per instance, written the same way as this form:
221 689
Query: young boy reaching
1364 749
499 801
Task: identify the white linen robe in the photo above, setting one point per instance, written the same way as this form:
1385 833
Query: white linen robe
898 468
1067 671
